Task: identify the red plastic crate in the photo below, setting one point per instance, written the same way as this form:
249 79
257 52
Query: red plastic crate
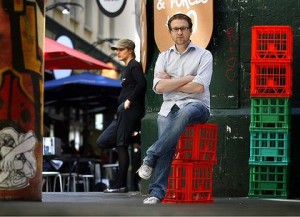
189 183
272 43
198 143
271 79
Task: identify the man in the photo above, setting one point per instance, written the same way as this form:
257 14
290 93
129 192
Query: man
182 74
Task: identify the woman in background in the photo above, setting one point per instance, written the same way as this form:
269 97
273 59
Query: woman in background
129 113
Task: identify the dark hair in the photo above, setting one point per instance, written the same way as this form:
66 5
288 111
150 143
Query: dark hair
180 17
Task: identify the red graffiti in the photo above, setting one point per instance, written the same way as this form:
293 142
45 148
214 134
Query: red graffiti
231 60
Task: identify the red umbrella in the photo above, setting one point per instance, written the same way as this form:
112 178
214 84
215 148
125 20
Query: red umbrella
59 56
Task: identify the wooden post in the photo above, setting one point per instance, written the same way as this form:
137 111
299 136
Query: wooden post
22 33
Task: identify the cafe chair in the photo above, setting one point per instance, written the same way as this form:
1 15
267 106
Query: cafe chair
110 173
69 181
49 176
86 178
85 171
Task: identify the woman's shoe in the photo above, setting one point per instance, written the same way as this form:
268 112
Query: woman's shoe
116 190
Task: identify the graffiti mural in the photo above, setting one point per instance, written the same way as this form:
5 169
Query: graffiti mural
21 97
18 163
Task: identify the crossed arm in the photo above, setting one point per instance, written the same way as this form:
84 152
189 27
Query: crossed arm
184 84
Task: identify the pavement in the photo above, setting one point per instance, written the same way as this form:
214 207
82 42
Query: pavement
130 204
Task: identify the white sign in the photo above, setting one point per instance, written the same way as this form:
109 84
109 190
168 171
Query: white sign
62 73
111 8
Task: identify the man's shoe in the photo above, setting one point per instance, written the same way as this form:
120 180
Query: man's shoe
145 171
151 200
116 190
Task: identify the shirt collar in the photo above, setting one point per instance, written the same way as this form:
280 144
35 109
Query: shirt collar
190 46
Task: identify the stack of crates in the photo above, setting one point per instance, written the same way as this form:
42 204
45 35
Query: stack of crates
191 175
270 93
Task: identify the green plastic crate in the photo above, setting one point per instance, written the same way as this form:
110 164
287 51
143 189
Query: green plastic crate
270 113
269 147
267 181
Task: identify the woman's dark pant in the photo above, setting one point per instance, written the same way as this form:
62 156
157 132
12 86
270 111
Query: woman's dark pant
120 130
118 134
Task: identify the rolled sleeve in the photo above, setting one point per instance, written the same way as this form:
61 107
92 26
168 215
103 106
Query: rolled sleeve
204 72
155 81
159 67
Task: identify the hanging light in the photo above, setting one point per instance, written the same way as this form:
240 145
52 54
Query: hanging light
66 10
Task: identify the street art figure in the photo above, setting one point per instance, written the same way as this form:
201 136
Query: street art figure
17 160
